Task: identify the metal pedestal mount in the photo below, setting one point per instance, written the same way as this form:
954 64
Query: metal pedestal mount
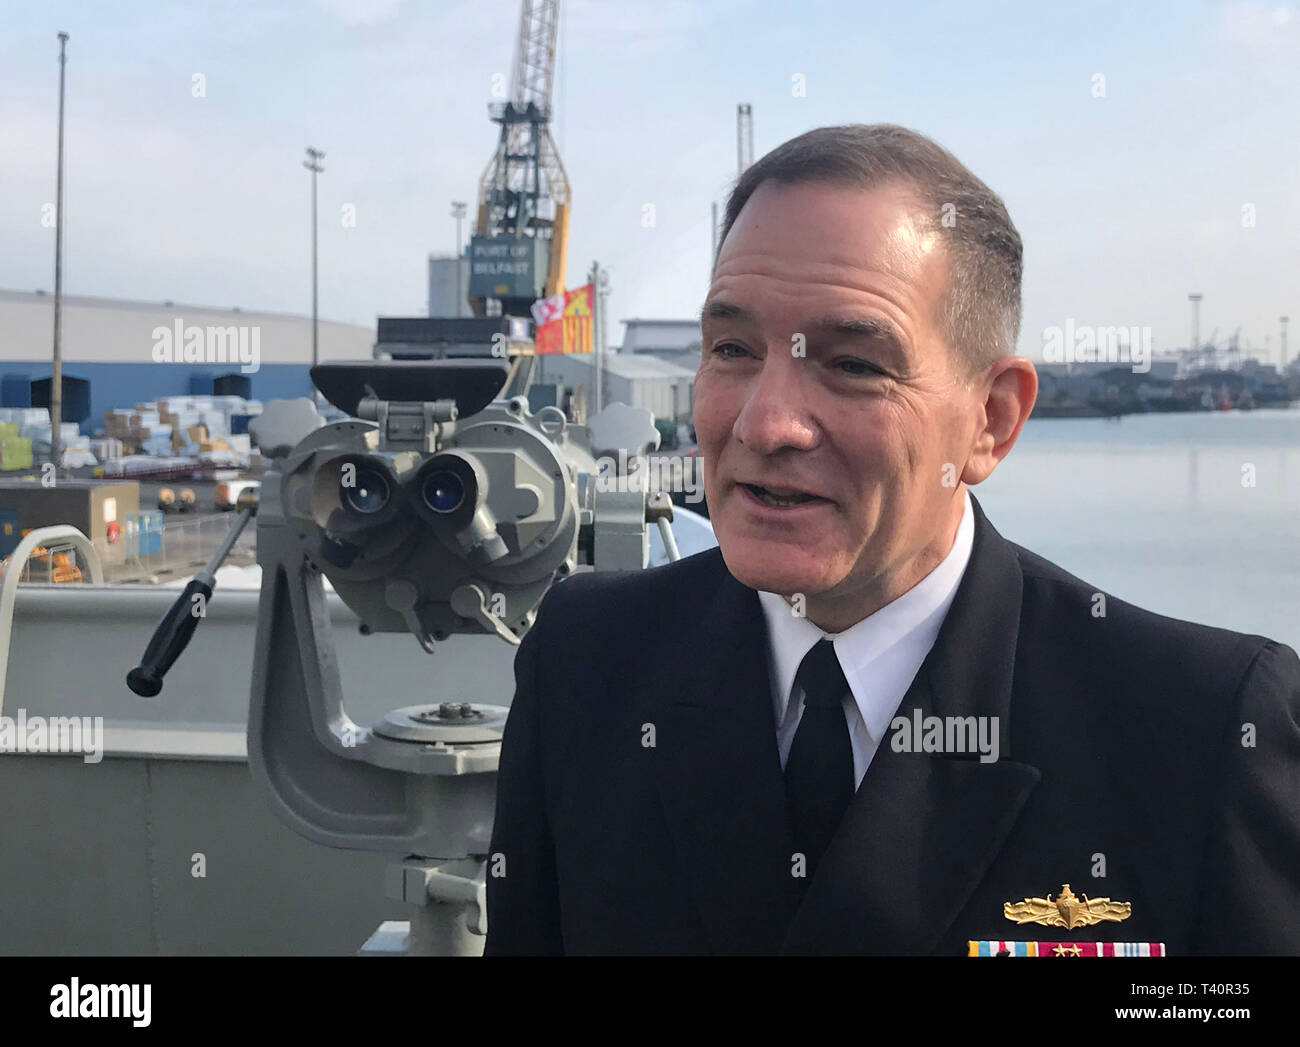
450 897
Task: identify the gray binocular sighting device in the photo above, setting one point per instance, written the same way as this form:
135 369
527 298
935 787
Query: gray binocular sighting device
442 506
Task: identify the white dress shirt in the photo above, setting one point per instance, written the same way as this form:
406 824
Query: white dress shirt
880 655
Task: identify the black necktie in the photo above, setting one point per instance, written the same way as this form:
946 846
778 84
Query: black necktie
819 769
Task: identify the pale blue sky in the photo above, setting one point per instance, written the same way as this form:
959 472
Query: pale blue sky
1125 202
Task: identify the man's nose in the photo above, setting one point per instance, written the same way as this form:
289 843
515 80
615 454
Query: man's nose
777 408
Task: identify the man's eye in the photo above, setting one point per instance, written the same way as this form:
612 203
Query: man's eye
859 367
721 350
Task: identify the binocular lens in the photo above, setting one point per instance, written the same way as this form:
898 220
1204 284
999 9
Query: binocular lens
443 491
369 494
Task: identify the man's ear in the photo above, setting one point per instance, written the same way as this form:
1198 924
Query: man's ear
1010 387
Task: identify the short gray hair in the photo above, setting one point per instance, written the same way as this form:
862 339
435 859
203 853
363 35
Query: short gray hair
981 309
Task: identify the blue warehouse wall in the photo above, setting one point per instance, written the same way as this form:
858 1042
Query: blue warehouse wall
123 385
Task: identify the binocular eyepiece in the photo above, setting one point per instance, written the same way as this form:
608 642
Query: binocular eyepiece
366 504
450 493
368 493
370 488
442 491
448 489
358 506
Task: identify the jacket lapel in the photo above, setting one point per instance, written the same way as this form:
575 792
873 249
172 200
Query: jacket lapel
719 773
923 829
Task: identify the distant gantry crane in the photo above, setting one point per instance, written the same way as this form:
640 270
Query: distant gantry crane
744 159
744 137
517 254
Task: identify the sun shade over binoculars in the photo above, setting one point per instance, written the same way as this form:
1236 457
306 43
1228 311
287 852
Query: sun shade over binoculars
447 506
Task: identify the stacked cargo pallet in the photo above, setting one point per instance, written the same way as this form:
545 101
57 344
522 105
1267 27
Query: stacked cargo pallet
217 415
28 438
135 427
74 449
15 450
107 447
25 417
202 430
184 426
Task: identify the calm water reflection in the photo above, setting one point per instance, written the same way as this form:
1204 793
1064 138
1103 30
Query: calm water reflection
1153 509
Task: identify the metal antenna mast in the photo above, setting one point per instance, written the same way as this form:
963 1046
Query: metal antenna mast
56 377
1195 299
744 137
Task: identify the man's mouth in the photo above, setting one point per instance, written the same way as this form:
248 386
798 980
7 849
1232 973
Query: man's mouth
781 497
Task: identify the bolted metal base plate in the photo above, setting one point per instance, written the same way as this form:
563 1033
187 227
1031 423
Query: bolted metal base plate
453 723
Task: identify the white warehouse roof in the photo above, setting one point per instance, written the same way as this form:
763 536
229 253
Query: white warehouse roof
108 330
642 335
628 365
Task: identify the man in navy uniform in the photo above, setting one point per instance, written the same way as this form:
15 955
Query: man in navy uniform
868 723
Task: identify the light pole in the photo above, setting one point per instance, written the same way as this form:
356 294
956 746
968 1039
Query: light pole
602 293
593 277
56 377
458 213
599 289
313 164
1195 356
713 252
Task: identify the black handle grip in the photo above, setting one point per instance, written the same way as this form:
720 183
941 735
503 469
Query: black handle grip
169 640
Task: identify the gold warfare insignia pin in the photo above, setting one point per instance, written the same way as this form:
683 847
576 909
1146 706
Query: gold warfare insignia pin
1066 910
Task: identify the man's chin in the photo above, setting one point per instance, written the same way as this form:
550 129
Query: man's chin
783 571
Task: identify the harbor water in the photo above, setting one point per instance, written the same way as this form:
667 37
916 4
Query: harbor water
1196 516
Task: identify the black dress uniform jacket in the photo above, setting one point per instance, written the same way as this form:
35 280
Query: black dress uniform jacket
640 805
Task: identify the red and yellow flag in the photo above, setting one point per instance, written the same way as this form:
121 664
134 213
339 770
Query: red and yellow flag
564 322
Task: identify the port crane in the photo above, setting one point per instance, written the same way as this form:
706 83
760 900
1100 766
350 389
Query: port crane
521 230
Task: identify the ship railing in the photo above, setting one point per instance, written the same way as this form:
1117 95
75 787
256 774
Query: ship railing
62 538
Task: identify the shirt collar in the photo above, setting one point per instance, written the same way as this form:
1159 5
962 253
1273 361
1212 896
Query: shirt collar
889 645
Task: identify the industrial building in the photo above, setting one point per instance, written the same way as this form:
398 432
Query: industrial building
654 368
674 341
665 389
132 351
449 286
